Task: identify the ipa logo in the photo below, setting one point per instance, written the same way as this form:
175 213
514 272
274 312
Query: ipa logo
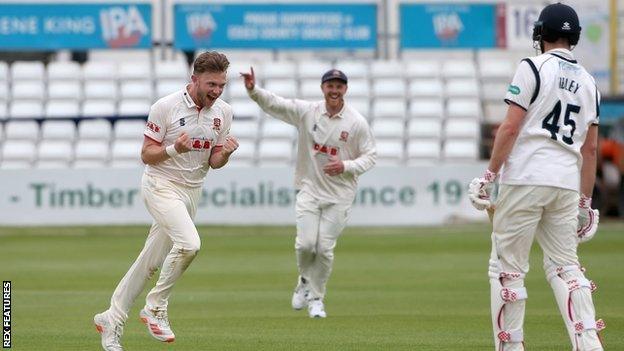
447 26
122 27
200 25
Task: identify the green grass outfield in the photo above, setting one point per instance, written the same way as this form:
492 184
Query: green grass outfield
391 289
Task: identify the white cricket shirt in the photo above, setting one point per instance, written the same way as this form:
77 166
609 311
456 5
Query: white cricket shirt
562 101
346 135
177 113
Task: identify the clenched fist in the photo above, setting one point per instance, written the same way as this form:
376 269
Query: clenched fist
230 145
183 143
334 167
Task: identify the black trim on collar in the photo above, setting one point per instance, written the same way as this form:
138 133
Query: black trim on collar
563 58
538 81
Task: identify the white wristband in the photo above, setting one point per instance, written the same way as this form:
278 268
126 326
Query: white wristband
171 151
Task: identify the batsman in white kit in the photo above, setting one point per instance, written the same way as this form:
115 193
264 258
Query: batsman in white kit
187 133
545 151
335 146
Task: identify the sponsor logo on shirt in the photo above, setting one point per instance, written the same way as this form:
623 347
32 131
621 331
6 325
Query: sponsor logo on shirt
326 149
199 144
153 127
514 89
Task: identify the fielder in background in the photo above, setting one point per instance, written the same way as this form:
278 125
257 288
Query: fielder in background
547 150
187 133
335 146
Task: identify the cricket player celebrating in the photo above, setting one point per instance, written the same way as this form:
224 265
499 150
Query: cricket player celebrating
187 133
335 146
546 148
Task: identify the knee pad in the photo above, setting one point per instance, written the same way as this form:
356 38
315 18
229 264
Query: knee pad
573 294
507 295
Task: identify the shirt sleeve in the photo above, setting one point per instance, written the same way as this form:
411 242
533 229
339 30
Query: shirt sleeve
287 110
227 125
524 87
596 121
156 126
368 152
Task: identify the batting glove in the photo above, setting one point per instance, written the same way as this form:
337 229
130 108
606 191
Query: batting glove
480 189
588 219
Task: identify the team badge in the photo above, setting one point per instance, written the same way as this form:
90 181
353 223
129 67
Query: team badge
344 136
182 122
216 124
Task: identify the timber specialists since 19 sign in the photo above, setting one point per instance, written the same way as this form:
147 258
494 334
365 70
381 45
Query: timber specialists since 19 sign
386 196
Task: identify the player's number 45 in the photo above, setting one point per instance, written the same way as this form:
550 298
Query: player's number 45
551 121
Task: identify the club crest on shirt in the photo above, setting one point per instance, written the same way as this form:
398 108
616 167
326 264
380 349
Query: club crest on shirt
216 124
344 136
182 122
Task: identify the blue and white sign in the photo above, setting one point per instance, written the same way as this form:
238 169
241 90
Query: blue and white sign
448 25
75 26
275 26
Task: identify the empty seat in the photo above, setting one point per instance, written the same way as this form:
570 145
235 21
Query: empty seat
275 152
4 110
27 70
136 89
4 90
173 70
126 154
460 150
423 150
311 90
389 152
387 69
236 90
275 129
134 71
99 70
469 108
353 69
101 89
358 88
166 87
313 70
389 129
389 108
393 88
245 154
459 69
361 105
238 67
21 130
495 112
426 108
129 129
54 154
28 90
424 128
4 71
64 70
98 108
462 87
245 109
423 69
91 153
26 109
70 90
461 128
58 130
134 107
94 129
496 69
246 129
426 88
286 88
494 91
19 151
279 70
62 109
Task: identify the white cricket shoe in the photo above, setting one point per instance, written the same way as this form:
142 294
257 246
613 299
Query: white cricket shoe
300 296
316 309
110 332
157 324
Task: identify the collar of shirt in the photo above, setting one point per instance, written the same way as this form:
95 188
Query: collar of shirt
339 114
562 53
186 95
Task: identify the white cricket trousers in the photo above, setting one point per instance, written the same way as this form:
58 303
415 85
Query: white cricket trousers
172 244
319 224
548 214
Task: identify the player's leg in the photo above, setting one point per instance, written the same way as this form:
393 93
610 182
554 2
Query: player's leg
572 290
517 214
308 216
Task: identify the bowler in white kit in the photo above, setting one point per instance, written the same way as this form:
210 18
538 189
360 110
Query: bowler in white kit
545 157
335 146
187 133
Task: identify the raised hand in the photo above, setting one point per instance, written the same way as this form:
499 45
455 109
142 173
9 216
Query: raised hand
183 143
334 167
250 79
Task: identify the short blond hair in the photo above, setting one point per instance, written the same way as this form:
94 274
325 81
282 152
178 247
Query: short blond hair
210 61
